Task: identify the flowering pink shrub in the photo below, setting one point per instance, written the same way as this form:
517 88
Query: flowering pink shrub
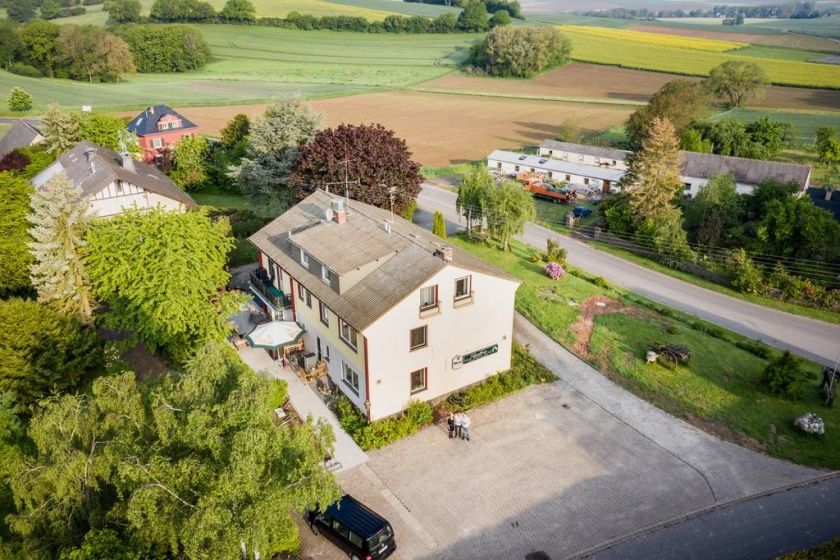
554 270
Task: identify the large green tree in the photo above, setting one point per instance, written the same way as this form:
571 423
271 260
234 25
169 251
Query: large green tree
41 40
21 10
508 207
794 227
189 160
680 101
60 217
163 275
275 138
520 51
376 163
107 131
11 45
714 210
165 48
653 173
124 11
737 81
238 11
236 130
91 53
190 466
43 352
473 18
62 130
472 195
15 259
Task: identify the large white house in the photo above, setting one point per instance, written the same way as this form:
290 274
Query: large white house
602 168
394 312
115 182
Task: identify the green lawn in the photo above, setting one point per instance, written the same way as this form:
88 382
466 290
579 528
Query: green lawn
821 27
720 388
233 201
253 64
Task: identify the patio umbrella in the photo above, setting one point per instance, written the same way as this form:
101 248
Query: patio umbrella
275 334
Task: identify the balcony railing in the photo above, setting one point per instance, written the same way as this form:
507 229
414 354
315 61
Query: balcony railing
275 297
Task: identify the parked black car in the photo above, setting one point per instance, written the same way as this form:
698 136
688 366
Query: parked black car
355 528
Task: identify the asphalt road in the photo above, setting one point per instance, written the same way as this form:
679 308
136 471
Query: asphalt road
763 527
809 338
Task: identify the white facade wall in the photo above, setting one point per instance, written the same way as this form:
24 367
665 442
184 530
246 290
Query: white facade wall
454 331
118 197
573 179
694 184
584 159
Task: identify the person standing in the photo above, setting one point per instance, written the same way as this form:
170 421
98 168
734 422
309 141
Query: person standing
450 423
459 418
465 427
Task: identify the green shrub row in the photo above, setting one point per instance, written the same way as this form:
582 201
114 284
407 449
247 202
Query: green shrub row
524 371
824 551
378 434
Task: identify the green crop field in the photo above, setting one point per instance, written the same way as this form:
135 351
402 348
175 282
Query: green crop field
254 64
821 27
805 124
623 51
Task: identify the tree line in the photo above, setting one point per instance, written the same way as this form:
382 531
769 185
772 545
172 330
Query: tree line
473 18
519 51
90 53
788 10
512 7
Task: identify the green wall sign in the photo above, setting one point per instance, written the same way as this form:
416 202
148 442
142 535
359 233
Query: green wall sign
478 354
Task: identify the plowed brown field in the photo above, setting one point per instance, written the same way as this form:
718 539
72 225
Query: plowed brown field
444 129
612 82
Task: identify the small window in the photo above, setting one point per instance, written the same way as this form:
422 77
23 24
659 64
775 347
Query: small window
418 380
301 291
551 174
356 540
498 165
304 258
325 314
615 162
516 168
463 287
568 178
309 299
418 338
157 143
325 354
326 274
347 333
350 377
586 180
428 297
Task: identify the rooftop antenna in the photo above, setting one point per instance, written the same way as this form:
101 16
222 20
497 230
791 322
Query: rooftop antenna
346 182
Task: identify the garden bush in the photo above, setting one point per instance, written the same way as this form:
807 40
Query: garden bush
14 161
743 273
554 271
410 210
754 348
554 252
378 434
785 377
23 69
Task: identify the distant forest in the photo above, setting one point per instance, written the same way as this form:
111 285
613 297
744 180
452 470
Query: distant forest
790 10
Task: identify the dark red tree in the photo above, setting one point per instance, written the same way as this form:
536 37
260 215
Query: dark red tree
372 158
14 161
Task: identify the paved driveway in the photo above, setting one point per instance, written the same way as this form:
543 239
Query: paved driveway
550 469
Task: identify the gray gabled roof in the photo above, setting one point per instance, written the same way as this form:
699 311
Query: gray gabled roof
147 122
393 264
744 170
107 167
596 151
22 134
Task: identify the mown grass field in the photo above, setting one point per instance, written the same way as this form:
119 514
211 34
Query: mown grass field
603 46
720 389
805 123
253 64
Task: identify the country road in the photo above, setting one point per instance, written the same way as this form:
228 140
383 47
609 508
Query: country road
816 340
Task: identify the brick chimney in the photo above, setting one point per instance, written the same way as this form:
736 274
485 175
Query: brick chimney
445 253
339 212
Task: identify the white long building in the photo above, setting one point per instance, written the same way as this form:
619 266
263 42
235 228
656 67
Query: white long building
394 313
603 168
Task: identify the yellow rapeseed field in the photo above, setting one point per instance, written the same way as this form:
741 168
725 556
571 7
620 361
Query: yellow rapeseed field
609 46
682 42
